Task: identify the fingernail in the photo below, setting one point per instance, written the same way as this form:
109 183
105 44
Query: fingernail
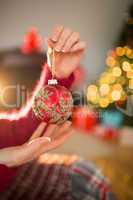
48 138
57 49
45 139
40 140
54 39
68 123
63 50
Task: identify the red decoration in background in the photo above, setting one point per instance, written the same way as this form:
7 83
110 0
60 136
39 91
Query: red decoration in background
106 133
84 118
32 42
53 104
120 103
87 121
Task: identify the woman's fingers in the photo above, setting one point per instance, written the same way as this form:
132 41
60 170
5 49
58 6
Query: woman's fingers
62 39
74 38
61 129
79 46
38 132
64 130
54 130
60 139
51 129
56 33
65 40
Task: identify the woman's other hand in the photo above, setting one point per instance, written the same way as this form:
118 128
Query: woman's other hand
54 136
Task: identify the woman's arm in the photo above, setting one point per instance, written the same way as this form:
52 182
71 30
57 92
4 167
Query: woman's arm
17 127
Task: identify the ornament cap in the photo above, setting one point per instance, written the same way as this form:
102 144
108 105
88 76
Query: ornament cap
52 82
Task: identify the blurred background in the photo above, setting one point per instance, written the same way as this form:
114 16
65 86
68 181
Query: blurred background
99 23
103 24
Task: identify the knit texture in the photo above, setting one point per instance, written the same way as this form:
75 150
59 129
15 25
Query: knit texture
59 177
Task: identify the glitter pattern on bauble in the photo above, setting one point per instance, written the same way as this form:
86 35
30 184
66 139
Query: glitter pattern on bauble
53 104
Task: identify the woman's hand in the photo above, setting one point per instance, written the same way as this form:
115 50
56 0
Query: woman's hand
55 135
69 50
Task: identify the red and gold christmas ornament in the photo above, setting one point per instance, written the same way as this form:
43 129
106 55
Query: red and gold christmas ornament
53 102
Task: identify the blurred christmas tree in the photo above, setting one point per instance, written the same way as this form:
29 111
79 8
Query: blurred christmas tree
126 38
113 91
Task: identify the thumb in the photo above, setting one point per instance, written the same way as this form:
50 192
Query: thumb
32 148
29 151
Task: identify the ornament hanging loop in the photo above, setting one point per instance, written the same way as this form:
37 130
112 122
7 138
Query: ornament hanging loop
51 58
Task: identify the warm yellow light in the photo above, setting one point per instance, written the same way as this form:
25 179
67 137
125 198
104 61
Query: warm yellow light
129 53
131 84
117 87
116 71
92 93
106 78
120 51
104 89
116 95
104 102
92 89
110 61
126 66
110 98
93 99
130 74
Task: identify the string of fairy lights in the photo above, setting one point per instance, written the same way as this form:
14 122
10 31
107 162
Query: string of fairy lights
116 83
